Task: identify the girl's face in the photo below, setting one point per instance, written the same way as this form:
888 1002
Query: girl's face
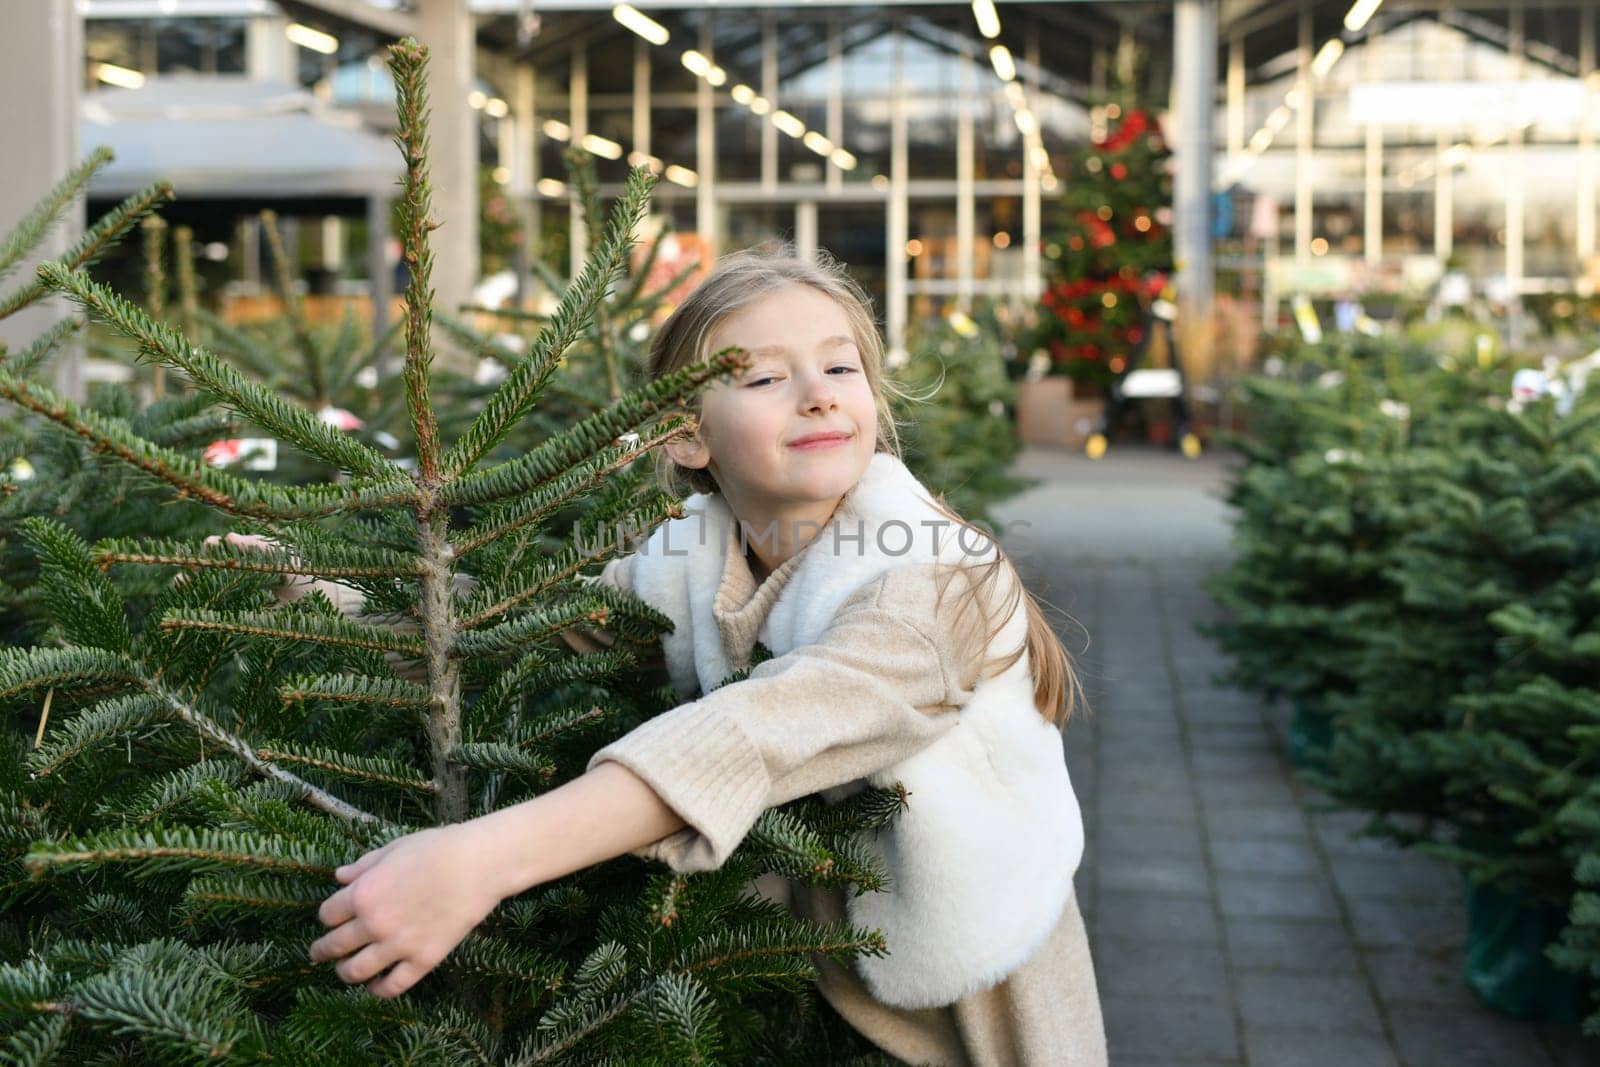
799 427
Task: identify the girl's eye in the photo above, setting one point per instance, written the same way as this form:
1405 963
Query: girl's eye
847 370
759 381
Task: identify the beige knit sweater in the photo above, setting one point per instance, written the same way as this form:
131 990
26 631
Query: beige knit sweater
885 680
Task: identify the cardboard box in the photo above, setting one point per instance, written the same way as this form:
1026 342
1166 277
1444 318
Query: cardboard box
1049 414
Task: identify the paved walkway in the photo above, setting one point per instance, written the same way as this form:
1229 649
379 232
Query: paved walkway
1234 919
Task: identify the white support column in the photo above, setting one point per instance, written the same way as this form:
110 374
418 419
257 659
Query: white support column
41 75
1444 214
1304 131
1194 80
1235 102
578 121
769 90
269 56
966 202
1586 154
899 207
705 146
1372 202
332 242
1516 193
641 96
447 28
835 117
805 229
524 105
380 272
1032 174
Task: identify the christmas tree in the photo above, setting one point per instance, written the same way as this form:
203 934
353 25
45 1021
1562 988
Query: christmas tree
952 402
199 768
1109 250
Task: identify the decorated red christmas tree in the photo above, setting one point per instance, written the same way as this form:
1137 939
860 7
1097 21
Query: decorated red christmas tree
1109 249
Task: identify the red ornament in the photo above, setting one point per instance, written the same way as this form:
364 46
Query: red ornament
1135 335
1119 171
1074 317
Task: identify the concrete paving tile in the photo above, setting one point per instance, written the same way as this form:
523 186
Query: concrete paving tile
1264 855
1157 918
1115 831
1170 1030
1420 976
1176 805
1232 738
1222 762
1233 792
1331 1003
1256 822
1276 896
1290 944
1432 1036
1201 716
1139 968
1384 921
1407 874
1277 1047
1161 874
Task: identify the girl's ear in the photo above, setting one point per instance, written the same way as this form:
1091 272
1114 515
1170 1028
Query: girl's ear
688 451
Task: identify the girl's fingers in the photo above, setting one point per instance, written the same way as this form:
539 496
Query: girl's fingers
351 871
401 977
340 942
338 908
366 963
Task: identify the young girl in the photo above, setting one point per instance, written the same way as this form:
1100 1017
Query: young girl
807 533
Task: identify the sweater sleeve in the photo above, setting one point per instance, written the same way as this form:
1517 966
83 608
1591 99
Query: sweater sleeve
881 683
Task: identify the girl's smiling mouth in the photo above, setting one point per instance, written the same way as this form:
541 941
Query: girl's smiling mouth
814 441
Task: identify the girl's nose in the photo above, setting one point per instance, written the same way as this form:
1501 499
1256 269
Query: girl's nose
818 392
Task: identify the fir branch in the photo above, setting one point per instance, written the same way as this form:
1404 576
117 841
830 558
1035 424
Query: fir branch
581 167
198 851
511 401
354 689
722 949
153 229
519 633
408 63
40 348
247 897
99 237
223 491
496 756
36 224
296 626
490 603
108 720
534 672
183 262
322 561
178 1013
294 307
542 502
171 791
252 400
492 957
243 750
596 433
24 670
374 770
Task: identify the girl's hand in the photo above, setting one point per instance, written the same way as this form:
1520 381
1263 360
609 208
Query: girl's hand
406 904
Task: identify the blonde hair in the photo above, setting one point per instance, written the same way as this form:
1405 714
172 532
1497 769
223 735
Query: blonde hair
742 278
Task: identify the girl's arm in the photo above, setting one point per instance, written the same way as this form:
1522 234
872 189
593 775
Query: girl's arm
409 903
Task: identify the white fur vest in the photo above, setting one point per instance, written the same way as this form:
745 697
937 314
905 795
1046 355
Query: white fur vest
981 862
